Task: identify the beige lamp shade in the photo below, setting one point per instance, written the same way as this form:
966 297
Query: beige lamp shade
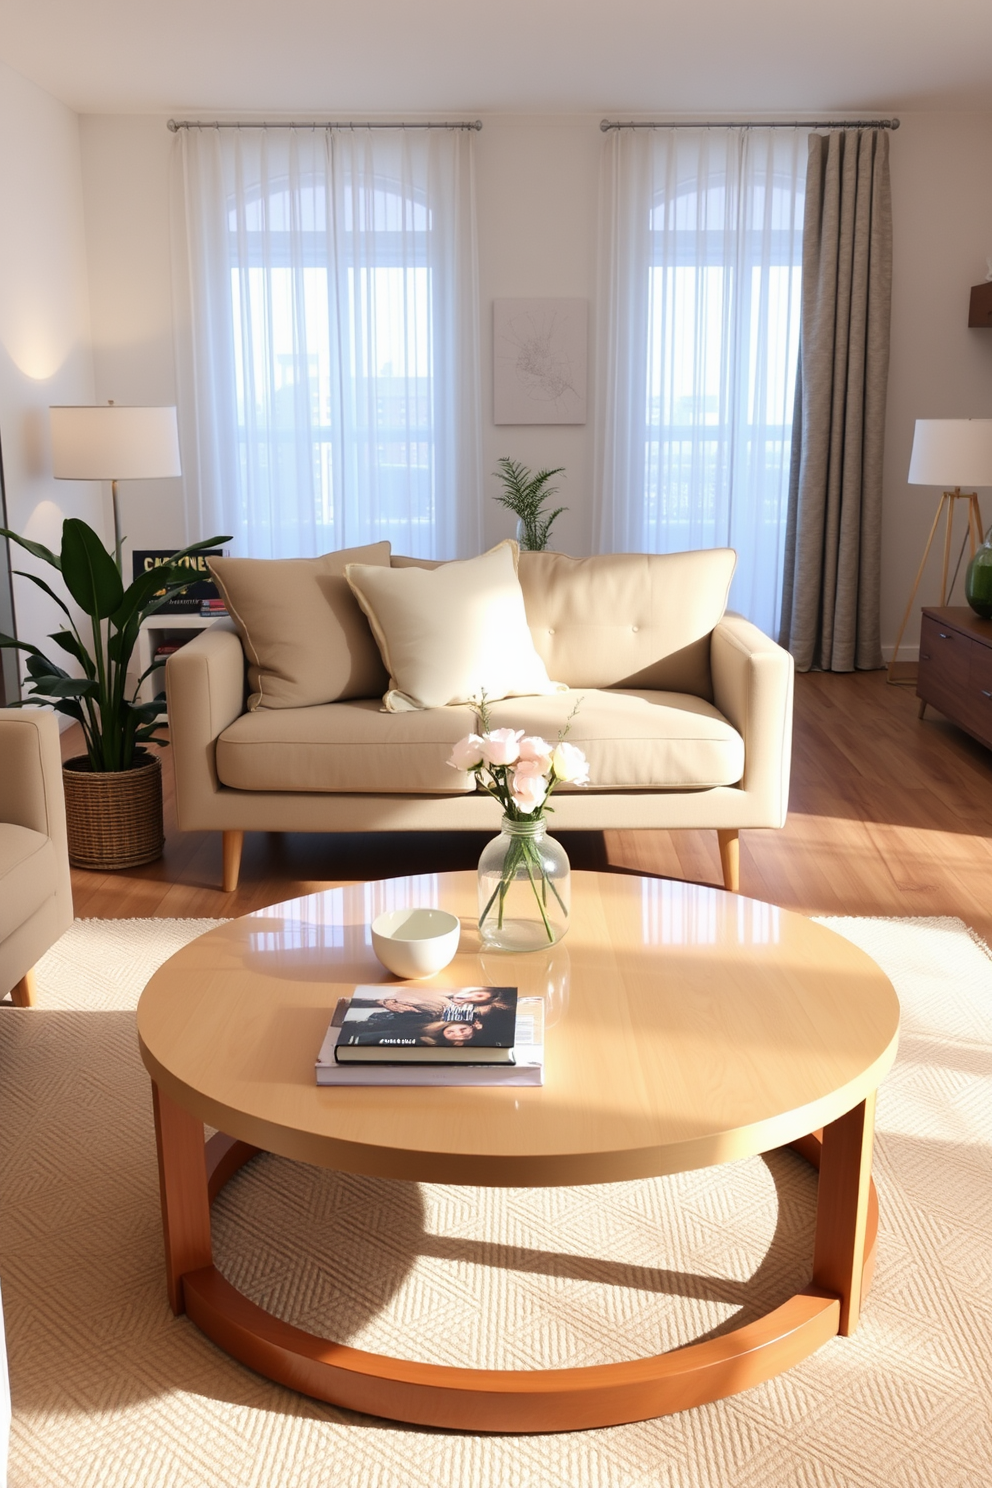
951 452
104 442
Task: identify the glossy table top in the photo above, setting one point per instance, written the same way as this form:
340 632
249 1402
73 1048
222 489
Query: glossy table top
685 1027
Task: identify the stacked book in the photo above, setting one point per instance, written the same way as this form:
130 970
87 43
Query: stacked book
166 649
434 1036
212 607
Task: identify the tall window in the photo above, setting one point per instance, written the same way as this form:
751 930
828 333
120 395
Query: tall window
703 303
333 307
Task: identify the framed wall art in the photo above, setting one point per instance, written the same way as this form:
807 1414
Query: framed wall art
540 357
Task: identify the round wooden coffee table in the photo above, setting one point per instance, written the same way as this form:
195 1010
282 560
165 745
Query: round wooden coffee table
700 1027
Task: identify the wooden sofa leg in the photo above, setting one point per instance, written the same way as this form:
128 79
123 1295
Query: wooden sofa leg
730 858
25 994
233 843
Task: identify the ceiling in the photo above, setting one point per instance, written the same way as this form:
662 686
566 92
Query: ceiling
466 57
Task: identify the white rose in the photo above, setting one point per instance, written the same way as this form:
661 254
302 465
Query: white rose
467 753
533 748
501 746
570 764
528 787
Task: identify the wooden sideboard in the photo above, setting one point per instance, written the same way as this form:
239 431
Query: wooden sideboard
956 669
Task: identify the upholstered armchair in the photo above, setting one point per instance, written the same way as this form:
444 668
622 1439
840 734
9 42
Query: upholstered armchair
35 894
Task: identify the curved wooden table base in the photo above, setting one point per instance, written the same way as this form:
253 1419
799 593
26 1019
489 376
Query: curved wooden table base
555 1399
698 1028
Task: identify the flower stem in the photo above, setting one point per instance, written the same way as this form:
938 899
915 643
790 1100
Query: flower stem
528 849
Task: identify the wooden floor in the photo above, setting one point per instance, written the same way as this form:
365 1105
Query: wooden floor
889 816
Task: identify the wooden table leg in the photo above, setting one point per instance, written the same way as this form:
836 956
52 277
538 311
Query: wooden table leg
842 1209
182 1174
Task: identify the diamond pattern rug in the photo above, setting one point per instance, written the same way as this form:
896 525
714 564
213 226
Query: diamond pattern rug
109 1389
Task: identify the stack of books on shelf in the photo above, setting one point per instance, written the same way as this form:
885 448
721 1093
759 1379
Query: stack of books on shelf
212 607
165 649
184 601
434 1036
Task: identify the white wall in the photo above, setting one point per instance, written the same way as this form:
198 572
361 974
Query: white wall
537 187
942 233
44 324
126 185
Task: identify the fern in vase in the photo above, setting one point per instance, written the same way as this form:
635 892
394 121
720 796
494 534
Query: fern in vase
526 496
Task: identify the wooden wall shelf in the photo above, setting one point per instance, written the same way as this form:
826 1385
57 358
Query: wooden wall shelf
980 311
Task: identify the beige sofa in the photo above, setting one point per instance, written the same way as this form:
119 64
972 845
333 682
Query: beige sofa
685 714
35 894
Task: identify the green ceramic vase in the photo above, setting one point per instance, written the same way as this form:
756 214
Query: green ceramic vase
978 581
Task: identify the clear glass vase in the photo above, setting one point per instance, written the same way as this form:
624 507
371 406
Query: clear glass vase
525 537
524 888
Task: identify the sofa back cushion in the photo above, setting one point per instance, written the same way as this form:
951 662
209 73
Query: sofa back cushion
639 620
397 560
305 637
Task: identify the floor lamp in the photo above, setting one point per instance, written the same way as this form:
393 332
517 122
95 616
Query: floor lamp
951 453
106 442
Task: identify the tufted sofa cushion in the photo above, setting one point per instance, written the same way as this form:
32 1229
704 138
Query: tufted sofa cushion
639 620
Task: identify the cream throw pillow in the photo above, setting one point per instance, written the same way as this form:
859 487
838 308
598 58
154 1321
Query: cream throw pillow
306 640
449 634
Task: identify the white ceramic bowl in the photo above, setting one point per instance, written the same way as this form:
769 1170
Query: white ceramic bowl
415 942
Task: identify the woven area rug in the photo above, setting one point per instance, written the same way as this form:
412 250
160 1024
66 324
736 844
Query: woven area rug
109 1389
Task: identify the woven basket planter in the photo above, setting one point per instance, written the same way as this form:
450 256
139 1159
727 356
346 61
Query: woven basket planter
113 819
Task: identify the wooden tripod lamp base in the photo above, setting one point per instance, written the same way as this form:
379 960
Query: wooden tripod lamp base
948 453
945 506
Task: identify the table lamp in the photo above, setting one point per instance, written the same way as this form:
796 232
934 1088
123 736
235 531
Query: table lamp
950 453
107 442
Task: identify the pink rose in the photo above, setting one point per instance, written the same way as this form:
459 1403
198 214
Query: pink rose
467 753
537 749
501 746
570 764
526 768
528 787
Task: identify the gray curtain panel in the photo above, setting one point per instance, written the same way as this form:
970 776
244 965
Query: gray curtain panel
830 599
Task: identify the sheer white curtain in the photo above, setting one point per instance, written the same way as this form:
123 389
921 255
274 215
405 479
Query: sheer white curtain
327 313
701 264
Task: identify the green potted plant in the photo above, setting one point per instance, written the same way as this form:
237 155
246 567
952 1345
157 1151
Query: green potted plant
525 495
113 791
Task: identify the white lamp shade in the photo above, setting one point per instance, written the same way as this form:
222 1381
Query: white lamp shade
104 442
951 452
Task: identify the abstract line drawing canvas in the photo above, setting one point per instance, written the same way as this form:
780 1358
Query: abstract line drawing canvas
539 361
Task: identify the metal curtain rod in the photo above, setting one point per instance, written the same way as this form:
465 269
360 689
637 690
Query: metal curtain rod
607 124
175 125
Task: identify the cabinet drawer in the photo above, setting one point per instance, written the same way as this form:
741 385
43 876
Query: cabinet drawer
980 670
975 707
945 658
955 675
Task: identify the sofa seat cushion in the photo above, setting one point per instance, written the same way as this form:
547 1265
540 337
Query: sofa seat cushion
634 740
28 875
353 746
